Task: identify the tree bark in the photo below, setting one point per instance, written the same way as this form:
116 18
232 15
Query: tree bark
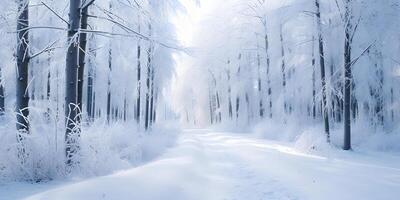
23 58
71 100
219 116
210 102
249 111
314 90
283 69
109 85
139 81
259 83
48 92
228 74
268 73
90 82
392 104
2 97
149 63
48 89
237 95
152 95
125 107
155 105
110 54
82 55
347 77
322 65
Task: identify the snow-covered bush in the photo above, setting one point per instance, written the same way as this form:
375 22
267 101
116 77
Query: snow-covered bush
105 148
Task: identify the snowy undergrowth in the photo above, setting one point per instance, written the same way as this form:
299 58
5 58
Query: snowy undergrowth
105 148
311 138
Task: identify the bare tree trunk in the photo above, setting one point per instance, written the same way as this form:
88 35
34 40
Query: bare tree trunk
152 95
392 103
283 68
219 116
268 73
314 90
347 77
249 112
322 65
377 91
40 78
353 101
216 100
138 102
94 114
90 82
379 110
336 99
31 76
2 97
259 84
82 56
237 107
139 84
89 104
155 105
125 111
210 100
109 108
48 88
109 114
57 99
48 91
237 95
71 99
333 95
23 59
187 116
115 113
228 73
149 63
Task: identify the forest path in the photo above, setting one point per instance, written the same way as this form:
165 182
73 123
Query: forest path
208 165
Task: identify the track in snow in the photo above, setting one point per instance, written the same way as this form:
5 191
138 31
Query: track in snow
206 165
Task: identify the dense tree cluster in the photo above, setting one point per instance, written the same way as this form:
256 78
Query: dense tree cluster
310 61
80 61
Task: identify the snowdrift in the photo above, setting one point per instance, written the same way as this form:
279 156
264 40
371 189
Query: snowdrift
104 148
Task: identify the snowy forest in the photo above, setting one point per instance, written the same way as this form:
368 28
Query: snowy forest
200 99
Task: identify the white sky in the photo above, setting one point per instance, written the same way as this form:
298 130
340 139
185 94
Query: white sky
186 24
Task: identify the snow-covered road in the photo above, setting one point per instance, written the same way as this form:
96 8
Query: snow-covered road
206 165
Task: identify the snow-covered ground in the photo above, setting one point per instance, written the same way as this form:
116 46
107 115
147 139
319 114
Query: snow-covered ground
207 165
